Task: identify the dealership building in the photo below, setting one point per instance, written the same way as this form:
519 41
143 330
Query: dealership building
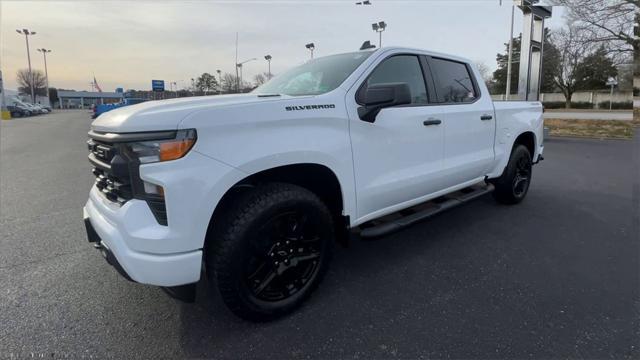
84 99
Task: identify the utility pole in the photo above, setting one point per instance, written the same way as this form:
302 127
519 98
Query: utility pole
237 78
46 73
26 34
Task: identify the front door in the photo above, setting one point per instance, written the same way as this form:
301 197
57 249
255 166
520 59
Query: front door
398 157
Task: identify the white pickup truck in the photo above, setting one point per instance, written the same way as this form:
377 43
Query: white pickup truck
253 190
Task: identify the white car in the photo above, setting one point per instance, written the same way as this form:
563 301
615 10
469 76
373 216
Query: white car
255 189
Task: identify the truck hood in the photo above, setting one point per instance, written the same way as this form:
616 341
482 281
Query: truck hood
167 114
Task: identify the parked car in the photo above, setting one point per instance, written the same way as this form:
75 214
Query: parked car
97 110
258 187
39 109
18 110
31 107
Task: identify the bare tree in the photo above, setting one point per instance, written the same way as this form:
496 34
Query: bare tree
25 81
229 83
260 79
606 22
573 50
485 72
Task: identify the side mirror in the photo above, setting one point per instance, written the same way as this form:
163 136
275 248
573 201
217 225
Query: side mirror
379 96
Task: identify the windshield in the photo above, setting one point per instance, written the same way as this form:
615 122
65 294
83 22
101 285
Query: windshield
315 77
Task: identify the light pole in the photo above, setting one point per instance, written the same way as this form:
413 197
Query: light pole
379 28
219 81
46 73
268 58
510 57
26 34
311 47
239 66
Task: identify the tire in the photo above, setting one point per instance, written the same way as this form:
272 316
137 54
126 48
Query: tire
270 250
512 186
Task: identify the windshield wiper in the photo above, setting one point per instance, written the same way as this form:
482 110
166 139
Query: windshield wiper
269 95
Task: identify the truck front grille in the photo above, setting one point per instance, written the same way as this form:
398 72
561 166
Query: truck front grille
115 187
118 177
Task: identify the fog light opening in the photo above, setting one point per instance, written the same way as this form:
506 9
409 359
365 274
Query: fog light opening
153 189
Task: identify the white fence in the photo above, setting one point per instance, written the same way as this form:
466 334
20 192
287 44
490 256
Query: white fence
593 97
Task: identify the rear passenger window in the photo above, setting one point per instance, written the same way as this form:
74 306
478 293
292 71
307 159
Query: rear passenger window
453 81
402 68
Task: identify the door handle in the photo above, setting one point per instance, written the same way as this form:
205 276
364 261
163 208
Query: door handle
432 122
486 117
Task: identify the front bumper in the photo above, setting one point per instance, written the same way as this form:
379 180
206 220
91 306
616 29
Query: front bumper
147 251
152 269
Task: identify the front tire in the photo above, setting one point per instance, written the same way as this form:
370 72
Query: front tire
270 250
512 187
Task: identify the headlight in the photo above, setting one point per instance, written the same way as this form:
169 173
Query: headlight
162 150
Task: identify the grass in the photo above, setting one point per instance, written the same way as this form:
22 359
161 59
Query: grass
636 116
598 129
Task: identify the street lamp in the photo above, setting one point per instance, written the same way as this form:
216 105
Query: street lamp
46 73
379 28
268 58
26 34
311 47
239 66
219 81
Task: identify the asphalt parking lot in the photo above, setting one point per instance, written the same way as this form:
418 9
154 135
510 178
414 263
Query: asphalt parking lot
555 277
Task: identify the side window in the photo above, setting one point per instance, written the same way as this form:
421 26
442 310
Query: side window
453 81
402 68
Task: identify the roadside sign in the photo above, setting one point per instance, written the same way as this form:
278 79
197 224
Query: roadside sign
157 85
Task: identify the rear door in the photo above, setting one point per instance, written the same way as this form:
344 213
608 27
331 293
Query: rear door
469 123
397 158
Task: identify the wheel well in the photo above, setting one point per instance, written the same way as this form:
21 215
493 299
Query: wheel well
527 139
316 178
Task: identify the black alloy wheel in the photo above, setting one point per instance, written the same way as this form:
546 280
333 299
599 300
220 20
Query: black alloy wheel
285 256
522 176
270 250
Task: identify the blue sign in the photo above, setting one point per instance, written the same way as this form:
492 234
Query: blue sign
157 85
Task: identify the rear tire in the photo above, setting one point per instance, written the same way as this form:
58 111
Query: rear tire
270 250
512 187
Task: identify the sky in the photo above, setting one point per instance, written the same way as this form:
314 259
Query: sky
129 43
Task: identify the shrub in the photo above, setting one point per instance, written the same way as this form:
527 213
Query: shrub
581 105
554 104
562 104
620 105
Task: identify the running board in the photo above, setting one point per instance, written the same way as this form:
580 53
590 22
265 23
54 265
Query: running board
407 217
